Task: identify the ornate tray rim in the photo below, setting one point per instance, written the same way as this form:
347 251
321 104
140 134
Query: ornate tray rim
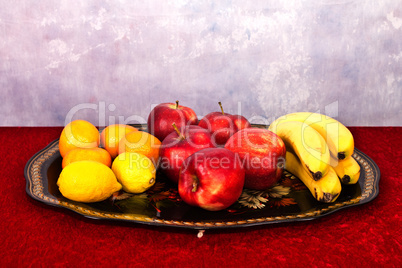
36 181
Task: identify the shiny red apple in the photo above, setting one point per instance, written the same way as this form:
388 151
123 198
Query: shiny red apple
262 154
223 125
212 179
163 115
179 145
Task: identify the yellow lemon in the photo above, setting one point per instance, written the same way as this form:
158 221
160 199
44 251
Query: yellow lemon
87 181
134 171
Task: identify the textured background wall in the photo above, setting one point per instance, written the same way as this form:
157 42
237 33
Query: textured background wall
98 60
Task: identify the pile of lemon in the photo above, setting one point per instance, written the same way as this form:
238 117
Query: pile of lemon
96 165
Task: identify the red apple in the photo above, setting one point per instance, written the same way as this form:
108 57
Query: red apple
179 145
212 179
262 154
223 125
163 115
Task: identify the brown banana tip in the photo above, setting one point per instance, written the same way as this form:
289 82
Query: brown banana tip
341 156
317 175
328 197
345 179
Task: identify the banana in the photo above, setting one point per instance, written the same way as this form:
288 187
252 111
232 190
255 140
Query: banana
307 143
338 137
348 170
326 190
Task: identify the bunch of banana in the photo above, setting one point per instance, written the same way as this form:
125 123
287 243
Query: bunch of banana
332 150
327 189
308 145
338 137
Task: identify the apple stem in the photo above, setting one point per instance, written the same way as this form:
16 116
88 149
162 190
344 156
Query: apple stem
178 131
177 104
195 184
220 104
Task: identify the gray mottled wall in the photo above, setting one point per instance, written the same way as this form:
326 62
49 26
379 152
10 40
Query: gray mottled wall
111 61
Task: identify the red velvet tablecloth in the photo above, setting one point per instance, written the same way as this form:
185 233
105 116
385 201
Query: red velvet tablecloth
34 234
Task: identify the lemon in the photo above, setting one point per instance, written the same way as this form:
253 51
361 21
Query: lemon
87 181
134 171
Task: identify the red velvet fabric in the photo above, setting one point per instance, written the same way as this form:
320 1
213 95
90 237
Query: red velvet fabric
34 234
